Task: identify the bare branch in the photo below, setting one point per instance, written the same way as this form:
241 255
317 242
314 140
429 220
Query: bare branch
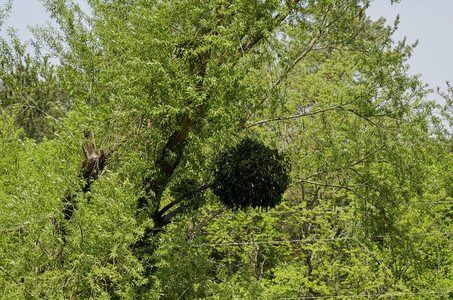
348 166
337 107
344 187
167 218
209 217
168 206
284 75
361 116
325 184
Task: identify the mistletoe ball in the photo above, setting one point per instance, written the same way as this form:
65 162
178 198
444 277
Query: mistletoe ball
251 175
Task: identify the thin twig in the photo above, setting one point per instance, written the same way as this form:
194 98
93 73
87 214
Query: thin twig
338 107
16 282
283 76
35 106
345 187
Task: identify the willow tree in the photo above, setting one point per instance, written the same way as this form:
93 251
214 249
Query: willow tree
157 90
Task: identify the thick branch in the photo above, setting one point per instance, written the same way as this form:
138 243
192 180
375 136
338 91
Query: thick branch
170 156
209 217
175 144
168 206
93 164
167 218
166 163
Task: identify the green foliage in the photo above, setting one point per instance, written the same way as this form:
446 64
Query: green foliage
251 175
124 211
184 271
188 192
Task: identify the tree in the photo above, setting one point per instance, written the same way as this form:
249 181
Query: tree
156 91
30 90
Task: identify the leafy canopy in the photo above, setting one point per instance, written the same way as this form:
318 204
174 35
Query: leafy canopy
112 181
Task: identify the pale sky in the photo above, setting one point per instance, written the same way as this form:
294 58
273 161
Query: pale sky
431 22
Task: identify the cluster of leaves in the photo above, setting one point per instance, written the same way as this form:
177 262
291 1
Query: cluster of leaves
251 175
188 192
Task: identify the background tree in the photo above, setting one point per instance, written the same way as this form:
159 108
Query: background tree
30 90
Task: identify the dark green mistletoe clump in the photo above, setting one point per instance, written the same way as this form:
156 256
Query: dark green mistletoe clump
251 175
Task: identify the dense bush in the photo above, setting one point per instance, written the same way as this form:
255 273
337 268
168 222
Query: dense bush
251 175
